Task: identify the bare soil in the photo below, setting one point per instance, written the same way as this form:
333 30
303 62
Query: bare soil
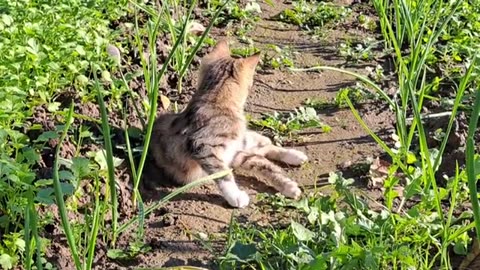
172 230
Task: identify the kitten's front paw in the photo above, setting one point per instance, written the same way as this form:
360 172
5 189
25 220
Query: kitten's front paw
239 199
291 190
294 157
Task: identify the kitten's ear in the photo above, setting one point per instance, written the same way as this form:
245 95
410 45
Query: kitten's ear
221 48
251 62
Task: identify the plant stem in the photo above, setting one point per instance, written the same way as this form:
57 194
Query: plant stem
59 194
470 162
107 141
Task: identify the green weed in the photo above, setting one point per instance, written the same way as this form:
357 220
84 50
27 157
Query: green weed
360 52
233 11
312 16
245 51
367 22
287 125
46 50
340 229
242 17
357 94
277 58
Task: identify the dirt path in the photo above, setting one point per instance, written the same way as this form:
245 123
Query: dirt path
172 231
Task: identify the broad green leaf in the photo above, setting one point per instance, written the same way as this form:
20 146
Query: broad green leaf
116 254
79 49
7 19
100 158
46 136
411 158
53 106
66 175
46 195
134 132
20 243
319 263
80 167
242 251
301 232
6 261
313 215
82 79
106 76
302 204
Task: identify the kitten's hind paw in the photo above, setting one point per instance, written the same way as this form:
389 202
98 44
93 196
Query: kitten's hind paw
238 199
294 157
291 190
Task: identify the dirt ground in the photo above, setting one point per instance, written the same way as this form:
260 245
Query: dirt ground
170 231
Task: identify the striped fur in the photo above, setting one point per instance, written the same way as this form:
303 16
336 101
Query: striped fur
211 134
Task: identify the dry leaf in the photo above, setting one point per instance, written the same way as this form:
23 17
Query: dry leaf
397 140
378 173
196 28
472 260
114 53
165 101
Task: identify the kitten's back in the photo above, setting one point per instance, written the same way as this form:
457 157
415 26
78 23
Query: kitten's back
211 128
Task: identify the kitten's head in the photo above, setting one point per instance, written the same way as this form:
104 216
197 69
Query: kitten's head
218 67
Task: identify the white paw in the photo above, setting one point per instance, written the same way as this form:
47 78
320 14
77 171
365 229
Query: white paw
291 190
238 199
294 157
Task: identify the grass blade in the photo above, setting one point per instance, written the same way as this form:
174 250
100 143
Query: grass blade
92 240
154 96
107 142
59 194
202 38
470 162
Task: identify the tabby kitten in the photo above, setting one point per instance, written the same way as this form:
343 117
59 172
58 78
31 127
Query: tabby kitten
211 134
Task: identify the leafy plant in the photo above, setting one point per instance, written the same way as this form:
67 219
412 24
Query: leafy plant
277 58
367 22
357 94
133 250
360 52
233 12
319 103
338 230
312 16
245 51
289 124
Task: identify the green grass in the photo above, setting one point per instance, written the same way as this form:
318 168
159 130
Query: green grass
44 50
